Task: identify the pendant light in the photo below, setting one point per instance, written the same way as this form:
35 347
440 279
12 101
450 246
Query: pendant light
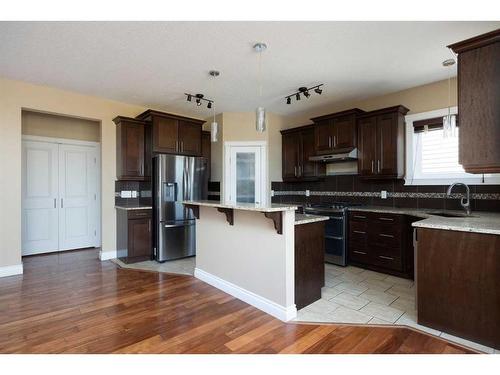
214 127
260 112
449 121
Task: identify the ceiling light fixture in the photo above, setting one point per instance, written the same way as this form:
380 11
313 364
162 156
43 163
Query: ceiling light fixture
214 127
260 112
449 121
199 99
305 91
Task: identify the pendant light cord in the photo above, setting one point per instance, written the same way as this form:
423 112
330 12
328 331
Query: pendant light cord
260 76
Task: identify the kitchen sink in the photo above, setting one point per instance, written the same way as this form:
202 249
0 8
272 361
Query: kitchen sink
448 214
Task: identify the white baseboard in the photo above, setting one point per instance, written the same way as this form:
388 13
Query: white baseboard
16 269
272 308
107 255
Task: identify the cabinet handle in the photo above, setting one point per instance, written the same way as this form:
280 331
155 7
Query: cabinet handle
372 165
182 146
386 219
334 141
149 226
384 257
359 216
359 252
300 170
329 141
295 171
386 235
359 232
378 166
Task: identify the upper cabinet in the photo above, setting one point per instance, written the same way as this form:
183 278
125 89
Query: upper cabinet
173 134
130 149
298 144
336 132
381 143
479 102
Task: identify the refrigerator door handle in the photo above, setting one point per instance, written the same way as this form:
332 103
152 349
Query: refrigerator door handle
176 225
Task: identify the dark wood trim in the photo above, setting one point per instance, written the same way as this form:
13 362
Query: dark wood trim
229 214
146 115
297 129
352 111
476 41
277 218
397 108
119 119
194 208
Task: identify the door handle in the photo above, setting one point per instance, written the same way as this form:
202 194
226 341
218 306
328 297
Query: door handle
62 202
176 225
55 202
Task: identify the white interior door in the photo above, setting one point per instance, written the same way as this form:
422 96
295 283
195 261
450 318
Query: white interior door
77 197
245 174
39 197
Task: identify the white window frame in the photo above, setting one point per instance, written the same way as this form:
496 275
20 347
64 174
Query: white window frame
411 150
264 193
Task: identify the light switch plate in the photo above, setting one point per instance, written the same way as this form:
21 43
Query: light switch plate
126 194
308 193
383 194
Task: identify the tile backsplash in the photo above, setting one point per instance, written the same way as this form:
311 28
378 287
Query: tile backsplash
351 188
143 189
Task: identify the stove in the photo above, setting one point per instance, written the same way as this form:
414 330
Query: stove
335 229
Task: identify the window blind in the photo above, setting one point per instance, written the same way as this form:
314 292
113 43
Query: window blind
439 154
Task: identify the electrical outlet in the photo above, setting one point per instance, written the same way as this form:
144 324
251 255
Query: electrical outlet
126 194
308 193
272 193
383 194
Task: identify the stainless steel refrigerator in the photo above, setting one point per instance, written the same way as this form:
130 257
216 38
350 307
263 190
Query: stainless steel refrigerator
176 178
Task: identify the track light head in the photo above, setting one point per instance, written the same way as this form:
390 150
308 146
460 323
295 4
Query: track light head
288 100
297 96
209 105
198 102
318 90
306 94
189 98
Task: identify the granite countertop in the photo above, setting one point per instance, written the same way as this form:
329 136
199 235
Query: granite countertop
306 219
133 207
244 206
477 222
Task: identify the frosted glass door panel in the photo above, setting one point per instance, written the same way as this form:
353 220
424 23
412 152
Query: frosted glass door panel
245 174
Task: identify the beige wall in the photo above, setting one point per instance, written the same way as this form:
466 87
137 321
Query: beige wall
16 96
48 125
417 99
216 148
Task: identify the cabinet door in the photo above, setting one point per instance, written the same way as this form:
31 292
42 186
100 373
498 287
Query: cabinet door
367 142
345 133
324 131
307 169
139 237
132 151
165 135
290 160
189 138
206 150
387 151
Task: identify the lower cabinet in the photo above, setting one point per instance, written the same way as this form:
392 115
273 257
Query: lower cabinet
134 235
309 263
382 242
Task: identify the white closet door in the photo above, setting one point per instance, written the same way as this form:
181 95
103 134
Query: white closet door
245 174
77 181
39 197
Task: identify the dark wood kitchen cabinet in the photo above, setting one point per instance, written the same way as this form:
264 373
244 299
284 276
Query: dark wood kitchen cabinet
130 152
134 235
206 149
381 143
336 132
173 134
457 279
381 242
479 102
297 147
309 263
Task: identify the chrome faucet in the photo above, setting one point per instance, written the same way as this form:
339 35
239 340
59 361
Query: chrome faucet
465 202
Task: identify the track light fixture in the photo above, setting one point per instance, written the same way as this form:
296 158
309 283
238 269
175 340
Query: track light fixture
305 91
199 99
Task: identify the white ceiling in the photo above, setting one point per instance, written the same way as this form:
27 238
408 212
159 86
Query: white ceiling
154 63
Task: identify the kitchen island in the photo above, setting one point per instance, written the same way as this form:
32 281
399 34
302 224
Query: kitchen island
248 251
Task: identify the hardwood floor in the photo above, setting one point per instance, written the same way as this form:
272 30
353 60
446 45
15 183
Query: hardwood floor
72 303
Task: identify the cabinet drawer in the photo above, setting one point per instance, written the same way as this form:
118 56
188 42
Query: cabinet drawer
358 216
385 258
384 218
359 254
137 214
358 233
385 238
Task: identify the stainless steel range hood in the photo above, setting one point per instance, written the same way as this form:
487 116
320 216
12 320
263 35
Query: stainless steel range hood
335 158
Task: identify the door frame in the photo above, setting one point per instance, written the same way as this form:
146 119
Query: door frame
97 153
262 145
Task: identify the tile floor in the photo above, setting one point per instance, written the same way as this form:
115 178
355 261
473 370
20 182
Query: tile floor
355 295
